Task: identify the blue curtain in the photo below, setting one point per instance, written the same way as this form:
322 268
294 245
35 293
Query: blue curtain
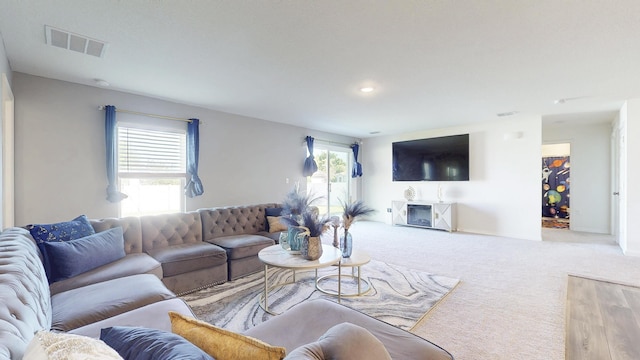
357 167
310 165
194 186
113 194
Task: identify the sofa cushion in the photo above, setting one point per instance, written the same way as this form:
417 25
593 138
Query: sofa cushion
132 264
95 302
342 341
184 258
152 316
227 221
275 225
70 258
131 230
223 344
161 231
273 236
50 345
150 344
242 246
274 211
62 231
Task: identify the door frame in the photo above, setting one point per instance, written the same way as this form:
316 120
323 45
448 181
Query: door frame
7 215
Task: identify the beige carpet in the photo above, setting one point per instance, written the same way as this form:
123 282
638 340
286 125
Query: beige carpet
510 303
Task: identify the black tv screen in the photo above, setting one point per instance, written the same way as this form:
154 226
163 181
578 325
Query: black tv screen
433 159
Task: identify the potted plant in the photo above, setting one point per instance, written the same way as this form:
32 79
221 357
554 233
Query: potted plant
351 212
295 203
304 224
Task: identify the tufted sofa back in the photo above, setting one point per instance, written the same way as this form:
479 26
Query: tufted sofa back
25 302
236 220
130 228
160 231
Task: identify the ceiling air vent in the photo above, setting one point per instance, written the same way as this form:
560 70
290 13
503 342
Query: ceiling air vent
70 41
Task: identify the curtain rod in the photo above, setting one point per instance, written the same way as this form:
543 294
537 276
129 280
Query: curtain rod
331 142
148 115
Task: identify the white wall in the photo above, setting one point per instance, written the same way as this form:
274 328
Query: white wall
630 173
60 151
503 195
590 172
4 62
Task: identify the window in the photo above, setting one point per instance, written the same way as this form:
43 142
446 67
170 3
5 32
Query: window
332 181
151 170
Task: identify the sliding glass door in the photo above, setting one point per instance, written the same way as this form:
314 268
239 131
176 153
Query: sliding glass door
331 181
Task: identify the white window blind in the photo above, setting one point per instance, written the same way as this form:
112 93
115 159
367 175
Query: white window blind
151 152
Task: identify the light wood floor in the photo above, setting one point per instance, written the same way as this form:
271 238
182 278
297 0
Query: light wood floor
603 320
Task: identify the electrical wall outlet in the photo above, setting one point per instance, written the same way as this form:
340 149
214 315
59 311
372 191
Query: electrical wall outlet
388 210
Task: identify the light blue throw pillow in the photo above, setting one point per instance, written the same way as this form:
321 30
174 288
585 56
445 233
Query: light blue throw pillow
70 258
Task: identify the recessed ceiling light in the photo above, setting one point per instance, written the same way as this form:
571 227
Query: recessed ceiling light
374 132
101 82
367 89
509 113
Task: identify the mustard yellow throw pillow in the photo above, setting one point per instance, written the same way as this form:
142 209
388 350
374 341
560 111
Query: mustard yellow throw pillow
223 344
275 225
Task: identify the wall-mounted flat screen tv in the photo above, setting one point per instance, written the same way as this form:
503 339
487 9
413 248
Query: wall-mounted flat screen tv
433 159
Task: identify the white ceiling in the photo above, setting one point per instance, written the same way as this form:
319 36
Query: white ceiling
433 63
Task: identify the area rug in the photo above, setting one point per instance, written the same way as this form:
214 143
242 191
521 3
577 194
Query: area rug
398 295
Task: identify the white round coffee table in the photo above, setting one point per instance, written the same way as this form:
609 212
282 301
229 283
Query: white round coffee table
276 256
355 261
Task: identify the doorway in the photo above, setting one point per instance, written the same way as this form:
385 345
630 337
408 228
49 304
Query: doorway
556 186
331 183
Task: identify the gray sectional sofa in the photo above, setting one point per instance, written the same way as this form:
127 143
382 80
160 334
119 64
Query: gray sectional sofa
197 249
164 255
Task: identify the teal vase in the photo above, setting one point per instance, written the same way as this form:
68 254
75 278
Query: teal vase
294 237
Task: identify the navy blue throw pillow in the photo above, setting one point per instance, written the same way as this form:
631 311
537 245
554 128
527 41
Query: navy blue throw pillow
70 258
276 211
62 231
150 344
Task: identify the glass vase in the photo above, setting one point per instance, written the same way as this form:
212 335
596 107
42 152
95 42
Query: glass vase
284 240
346 244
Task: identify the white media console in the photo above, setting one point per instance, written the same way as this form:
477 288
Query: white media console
424 214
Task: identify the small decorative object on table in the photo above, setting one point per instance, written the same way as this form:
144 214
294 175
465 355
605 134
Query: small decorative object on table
335 224
410 194
284 240
304 224
294 206
311 247
351 212
295 236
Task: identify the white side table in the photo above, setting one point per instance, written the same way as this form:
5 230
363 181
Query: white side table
355 261
276 256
